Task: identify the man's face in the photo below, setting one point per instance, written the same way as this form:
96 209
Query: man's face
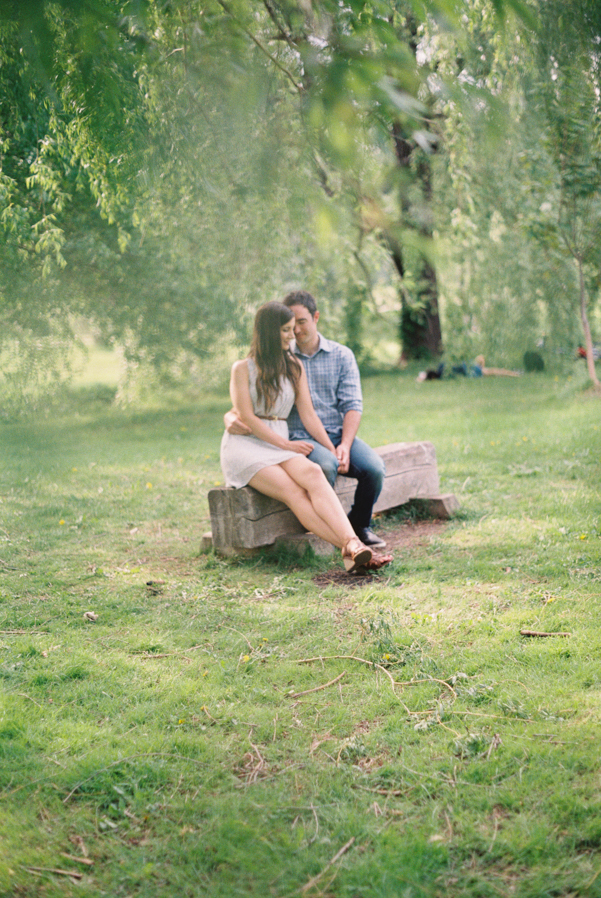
305 328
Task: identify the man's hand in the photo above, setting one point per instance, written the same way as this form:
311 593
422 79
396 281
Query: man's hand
234 425
350 426
343 454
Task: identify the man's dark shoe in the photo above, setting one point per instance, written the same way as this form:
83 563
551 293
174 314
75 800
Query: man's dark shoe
369 538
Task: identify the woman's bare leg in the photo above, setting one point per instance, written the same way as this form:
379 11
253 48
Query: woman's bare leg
322 496
279 483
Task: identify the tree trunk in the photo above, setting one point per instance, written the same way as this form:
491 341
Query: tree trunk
431 335
588 340
419 329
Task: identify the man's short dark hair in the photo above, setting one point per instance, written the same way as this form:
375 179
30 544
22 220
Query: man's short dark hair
301 298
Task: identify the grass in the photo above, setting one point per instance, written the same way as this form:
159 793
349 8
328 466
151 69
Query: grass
167 748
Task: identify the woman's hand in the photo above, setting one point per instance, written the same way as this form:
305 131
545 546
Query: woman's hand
301 446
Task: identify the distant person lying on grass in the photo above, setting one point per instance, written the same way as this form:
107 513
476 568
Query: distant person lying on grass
478 369
581 351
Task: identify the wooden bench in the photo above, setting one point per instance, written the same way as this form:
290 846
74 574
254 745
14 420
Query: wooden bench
244 520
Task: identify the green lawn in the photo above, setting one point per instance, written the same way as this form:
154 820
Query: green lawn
167 747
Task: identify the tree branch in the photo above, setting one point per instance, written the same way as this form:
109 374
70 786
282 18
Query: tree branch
262 48
282 33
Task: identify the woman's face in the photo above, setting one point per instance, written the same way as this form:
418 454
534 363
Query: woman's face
287 334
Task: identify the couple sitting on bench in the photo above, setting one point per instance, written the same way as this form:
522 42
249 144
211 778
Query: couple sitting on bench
271 446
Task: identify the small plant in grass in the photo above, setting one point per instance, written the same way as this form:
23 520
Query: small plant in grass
475 745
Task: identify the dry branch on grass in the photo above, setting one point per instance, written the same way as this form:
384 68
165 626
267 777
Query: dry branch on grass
253 765
330 863
154 656
377 666
74 874
319 688
80 860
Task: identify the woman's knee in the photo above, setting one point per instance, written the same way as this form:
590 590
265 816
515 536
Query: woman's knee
309 475
313 475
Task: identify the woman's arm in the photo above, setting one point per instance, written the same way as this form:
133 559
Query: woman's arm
242 402
308 415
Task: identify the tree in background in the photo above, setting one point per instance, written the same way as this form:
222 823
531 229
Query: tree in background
355 74
71 134
494 273
166 166
149 183
156 174
507 279
570 88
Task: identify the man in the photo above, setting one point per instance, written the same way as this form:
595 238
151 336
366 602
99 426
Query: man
335 388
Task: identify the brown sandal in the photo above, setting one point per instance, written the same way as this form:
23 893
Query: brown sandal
355 554
377 561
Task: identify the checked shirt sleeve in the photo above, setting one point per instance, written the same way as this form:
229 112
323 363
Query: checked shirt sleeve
349 396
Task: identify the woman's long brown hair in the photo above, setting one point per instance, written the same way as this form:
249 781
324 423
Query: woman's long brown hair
271 360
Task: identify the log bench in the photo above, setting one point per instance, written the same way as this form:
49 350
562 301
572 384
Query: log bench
244 520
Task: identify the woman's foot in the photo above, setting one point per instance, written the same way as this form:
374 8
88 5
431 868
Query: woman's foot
355 554
377 561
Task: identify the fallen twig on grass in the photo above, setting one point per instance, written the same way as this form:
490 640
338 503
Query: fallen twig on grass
253 765
494 743
336 857
169 654
6 567
318 688
542 633
24 695
361 661
77 840
233 630
384 670
80 860
426 680
206 710
394 793
74 874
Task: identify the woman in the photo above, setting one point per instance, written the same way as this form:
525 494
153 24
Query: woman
264 387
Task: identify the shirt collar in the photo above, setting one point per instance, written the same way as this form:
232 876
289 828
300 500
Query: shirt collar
324 344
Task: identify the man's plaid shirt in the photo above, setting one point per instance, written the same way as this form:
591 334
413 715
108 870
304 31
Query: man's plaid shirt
335 388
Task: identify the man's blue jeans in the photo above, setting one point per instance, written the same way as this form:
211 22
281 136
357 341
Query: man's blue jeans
366 466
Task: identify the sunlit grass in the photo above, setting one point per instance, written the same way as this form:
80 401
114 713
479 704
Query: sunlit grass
167 741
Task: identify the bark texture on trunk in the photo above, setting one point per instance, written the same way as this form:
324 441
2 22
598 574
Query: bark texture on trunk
588 340
419 327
